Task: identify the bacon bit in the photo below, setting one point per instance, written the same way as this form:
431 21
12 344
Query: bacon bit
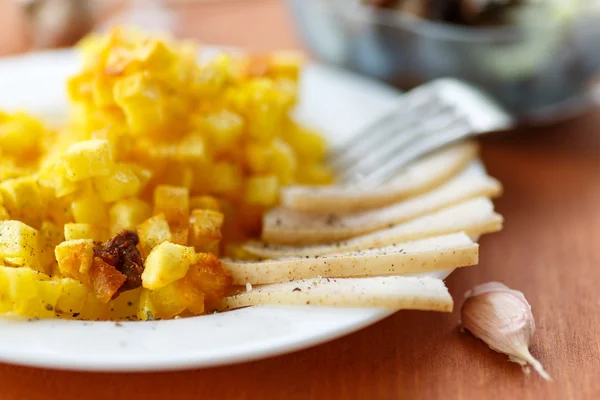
121 253
105 280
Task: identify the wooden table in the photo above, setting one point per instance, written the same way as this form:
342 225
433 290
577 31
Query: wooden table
549 249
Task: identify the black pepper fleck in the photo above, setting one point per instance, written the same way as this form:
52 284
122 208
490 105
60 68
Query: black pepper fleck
331 219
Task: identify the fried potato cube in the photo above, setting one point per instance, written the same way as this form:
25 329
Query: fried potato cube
54 176
4 215
88 159
23 200
19 244
20 134
192 297
27 292
128 214
191 149
286 64
170 300
72 297
258 156
102 91
50 236
205 203
283 162
276 158
223 129
59 209
85 231
227 179
11 280
8 170
314 174
88 208
147 310
213 76
174 203
261 190
120 183
180 235
125 306
179 176
75 258
93 308
156 55
166 263
263 106
205 230
307 144
143 103
152 232
208 276
79 87
144 174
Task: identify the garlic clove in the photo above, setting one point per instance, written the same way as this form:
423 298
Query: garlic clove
502 318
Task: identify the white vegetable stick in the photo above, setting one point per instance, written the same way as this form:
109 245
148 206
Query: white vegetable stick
396 292
474 217
419 177
283 226
432 254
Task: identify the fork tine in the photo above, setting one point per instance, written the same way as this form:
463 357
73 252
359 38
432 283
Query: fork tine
426 119
406 110
430 143
400 140
395 127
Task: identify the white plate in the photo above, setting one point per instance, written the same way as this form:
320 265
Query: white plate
336 102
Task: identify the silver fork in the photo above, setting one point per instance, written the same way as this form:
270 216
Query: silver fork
423 120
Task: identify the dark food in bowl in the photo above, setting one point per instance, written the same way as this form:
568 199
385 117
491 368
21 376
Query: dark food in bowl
538 63
464 12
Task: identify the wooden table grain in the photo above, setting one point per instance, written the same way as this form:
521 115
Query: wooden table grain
549 249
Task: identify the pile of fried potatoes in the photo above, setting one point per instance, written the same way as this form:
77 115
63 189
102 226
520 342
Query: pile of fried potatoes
165 163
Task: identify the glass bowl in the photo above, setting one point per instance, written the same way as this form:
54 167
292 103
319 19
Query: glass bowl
539 70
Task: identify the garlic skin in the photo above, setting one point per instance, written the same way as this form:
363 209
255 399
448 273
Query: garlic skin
502 318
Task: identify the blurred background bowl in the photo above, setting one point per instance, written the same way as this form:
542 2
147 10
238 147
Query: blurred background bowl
540 69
